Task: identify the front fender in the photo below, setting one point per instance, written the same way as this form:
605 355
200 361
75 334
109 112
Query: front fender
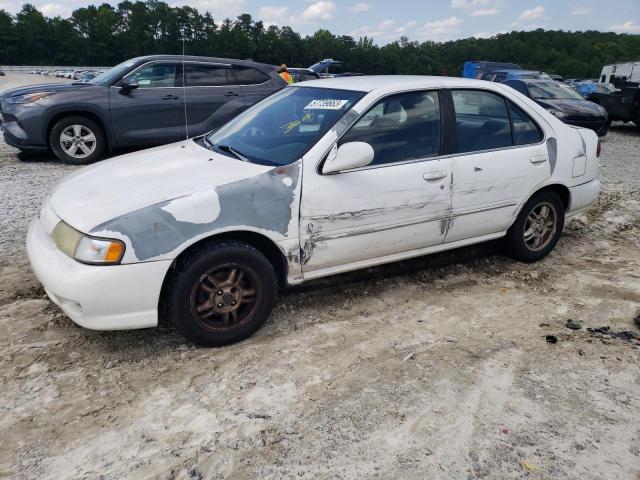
267 204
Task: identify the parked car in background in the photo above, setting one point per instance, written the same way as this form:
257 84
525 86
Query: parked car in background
322 177
564 103
86 77
503 75
329 68
476 69
623 104
557 78
75 75
141 102
587 88
302 74
2 73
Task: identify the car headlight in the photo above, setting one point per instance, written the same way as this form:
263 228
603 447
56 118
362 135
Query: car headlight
87 249
557 113
27 98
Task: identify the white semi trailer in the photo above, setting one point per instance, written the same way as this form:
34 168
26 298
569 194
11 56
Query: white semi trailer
621 72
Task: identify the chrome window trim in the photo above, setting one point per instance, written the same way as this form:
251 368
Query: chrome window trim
180 62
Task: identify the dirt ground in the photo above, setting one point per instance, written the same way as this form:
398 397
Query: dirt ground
433 368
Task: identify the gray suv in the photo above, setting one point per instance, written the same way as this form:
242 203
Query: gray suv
145 101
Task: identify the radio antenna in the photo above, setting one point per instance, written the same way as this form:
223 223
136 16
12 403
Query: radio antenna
184 88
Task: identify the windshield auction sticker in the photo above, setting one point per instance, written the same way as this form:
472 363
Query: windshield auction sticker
327 104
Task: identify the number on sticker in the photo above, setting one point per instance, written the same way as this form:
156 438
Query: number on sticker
326 104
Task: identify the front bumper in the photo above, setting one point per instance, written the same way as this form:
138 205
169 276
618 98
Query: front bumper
15 132
582 196
116 297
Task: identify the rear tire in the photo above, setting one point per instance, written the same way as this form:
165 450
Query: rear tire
537 229
77 140
220 293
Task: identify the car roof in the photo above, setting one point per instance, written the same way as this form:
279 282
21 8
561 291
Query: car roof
518 72
534 80
369 83
196 58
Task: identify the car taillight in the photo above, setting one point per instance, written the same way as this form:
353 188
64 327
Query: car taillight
598 149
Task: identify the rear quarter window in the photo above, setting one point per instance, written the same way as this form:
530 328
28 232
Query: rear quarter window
250 76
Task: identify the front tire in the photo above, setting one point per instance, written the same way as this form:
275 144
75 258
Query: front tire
221 293
537 229
77 140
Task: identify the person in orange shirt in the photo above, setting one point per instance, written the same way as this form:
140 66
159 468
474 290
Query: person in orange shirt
286 76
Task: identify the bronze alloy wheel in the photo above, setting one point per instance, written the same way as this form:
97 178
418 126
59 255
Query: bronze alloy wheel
225 298
540 226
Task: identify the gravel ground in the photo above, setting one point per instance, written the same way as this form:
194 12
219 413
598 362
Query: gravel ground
431 368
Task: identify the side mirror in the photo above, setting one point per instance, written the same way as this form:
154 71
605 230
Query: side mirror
347 156
128 84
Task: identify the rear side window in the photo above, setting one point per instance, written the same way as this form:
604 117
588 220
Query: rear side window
250 76
156 75
486 121
200 75
400 127
482 121
525 130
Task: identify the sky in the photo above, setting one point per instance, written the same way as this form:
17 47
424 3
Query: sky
388 20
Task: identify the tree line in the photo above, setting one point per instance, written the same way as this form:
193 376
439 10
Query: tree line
105 35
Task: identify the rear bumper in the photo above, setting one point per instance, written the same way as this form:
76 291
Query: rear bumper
582 196
116 297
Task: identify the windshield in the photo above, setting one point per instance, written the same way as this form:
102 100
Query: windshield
282 127
552 91
113 73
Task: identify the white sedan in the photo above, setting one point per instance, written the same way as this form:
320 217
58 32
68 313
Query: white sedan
318 179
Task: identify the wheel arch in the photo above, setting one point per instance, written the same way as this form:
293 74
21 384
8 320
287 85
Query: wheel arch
260 242
562 190
81 113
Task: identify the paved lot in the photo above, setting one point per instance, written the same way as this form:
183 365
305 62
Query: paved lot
431 368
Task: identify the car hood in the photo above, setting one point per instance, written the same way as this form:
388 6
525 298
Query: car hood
101 192
573 107
43 87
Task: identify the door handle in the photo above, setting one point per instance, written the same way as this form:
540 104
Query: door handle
231 94
434 175
169 97
538 158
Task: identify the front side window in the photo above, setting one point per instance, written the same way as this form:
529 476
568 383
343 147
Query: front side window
482 121
282 127
400 127
156 75
200 75
112 74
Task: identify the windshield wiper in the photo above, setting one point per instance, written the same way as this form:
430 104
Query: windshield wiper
233 151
